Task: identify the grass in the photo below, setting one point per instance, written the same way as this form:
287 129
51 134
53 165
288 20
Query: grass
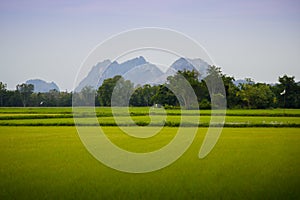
157 120
42 157
106 111
52 163
140 116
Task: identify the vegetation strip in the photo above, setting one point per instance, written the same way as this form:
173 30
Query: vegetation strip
51 116
167 124
141 117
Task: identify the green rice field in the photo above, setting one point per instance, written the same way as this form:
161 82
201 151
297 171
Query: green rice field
143 116
256 156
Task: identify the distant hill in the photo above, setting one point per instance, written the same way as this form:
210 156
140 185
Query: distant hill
243 81
143 74
191 64
121 69
239 81
139 71
93 76
42 86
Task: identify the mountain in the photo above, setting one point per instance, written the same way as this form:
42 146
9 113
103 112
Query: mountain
92 78
121 69
190 64
42 86
108 69
185 64
243 81
143 74
239 81
139 71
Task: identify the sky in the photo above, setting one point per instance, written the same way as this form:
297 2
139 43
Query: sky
49 39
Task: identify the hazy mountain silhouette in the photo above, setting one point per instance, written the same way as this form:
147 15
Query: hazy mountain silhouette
139 71
42 86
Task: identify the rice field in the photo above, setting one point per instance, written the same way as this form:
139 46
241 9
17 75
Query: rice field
42 157
143 116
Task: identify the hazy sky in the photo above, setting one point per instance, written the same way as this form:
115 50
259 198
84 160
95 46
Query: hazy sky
49 39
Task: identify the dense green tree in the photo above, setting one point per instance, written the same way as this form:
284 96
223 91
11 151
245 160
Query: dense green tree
13 98
215 85
25 90
2 92
186 85
212 80
203 95
52 98
244 92
165 96
143 95
104 92
86 97
36 99
121 88
64 99
291 96
257 95
122 92
231 91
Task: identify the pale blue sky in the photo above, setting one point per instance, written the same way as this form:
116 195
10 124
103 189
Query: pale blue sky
49 39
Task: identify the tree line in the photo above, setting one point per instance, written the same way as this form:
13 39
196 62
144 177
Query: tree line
244 95
24 96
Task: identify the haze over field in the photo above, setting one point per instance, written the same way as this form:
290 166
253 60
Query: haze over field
49 40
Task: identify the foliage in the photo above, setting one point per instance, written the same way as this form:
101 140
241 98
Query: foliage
143 95
25 90
165 96
86 97
291 98
2 92
122 88
185 84
122 92
257 95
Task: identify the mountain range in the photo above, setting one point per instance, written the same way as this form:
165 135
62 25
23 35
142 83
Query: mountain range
139 71
42 86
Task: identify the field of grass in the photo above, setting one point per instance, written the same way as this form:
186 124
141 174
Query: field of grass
145 110
42 157
157 120
140 116
52 163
